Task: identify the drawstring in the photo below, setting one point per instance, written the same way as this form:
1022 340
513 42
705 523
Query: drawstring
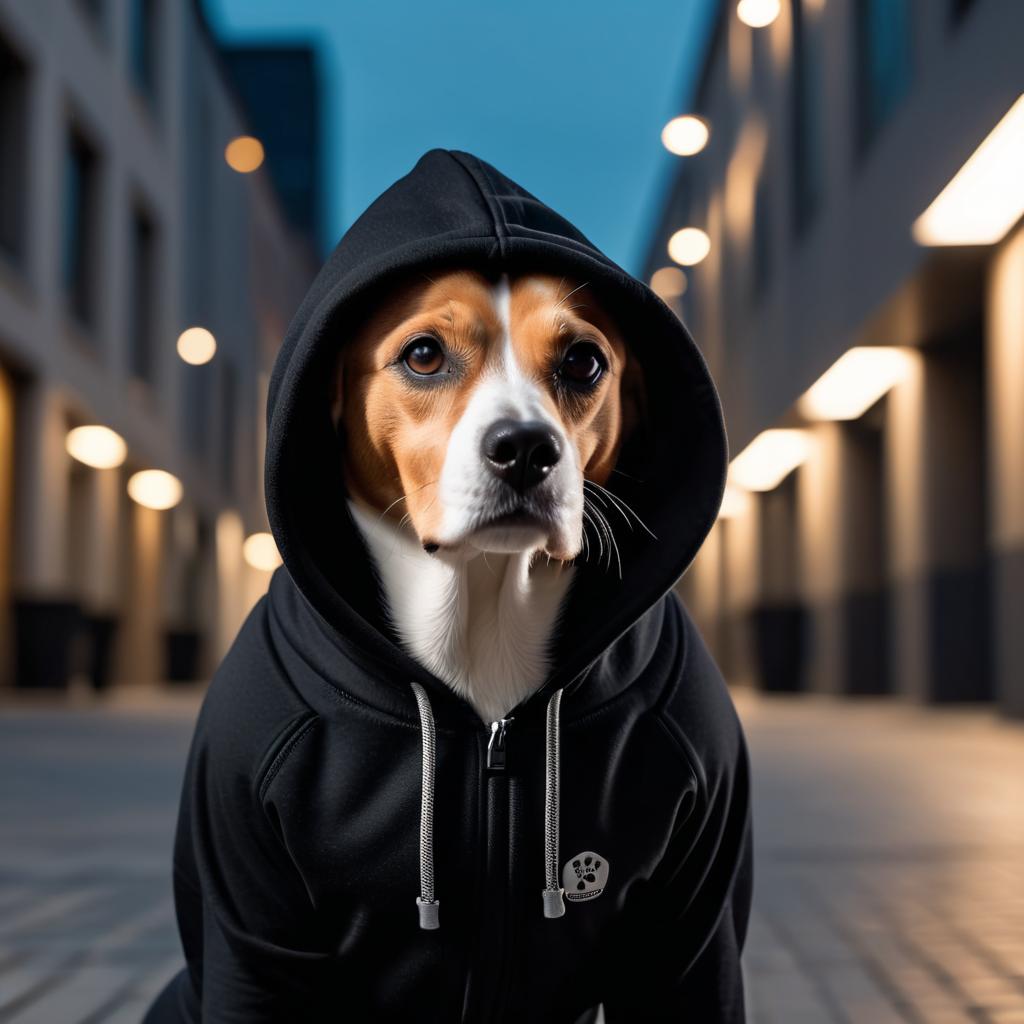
552 893
428 906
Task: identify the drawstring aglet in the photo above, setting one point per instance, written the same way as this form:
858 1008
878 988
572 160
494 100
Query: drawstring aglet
553 905
428 913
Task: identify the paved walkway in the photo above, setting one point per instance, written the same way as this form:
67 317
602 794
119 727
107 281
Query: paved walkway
890 865
890 876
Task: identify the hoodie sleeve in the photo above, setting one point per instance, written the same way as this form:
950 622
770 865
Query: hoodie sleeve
251 936
684 939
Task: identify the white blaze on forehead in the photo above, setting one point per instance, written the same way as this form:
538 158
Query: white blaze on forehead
525 399
504 391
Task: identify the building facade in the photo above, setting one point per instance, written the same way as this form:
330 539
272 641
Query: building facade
121 225
861 190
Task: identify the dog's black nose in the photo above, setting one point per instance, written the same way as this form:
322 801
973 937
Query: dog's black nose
519 453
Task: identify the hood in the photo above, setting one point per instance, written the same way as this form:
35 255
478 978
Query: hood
455 210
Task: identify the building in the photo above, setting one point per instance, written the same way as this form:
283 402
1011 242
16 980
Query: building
275 81
121 225
876 544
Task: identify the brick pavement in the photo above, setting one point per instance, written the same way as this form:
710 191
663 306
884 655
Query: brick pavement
890 862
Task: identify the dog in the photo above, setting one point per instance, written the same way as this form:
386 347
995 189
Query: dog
475 413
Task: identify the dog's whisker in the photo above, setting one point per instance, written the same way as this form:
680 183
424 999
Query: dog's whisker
608 504
605 531
597 530
573 292
405 497
621 505
613 544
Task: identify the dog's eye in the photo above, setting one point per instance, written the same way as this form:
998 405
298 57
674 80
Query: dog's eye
583 365
424 355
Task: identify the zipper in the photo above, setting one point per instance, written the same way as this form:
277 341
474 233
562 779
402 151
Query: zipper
485 998
496 745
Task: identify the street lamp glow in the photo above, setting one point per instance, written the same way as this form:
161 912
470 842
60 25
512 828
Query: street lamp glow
758 13
196 345
769 459
734 502
854 382
155 488
244 154
260 552
985 198
96 446
668 282
685 135
689 246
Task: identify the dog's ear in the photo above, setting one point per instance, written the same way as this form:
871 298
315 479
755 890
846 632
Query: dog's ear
337 388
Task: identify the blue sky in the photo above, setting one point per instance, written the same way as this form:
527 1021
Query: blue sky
566 97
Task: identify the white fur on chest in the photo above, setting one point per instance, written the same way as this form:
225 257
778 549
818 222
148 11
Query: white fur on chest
482 624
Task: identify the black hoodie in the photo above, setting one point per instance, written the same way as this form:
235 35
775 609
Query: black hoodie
310 860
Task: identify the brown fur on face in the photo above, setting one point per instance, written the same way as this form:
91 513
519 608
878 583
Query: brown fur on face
397 432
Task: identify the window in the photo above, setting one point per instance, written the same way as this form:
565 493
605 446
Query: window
79 256
961 7
807 116
142 297
96 12
145 49
13 153
883 63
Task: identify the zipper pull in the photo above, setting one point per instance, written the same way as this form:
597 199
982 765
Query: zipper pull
496 745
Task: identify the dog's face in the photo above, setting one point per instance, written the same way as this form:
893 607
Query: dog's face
473 410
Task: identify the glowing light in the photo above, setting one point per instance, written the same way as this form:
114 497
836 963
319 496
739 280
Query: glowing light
685 135
689 246
260 552
854 382
668 282
244 154
96 446
769 459
758 13
196 346
155 488
985 198
734 502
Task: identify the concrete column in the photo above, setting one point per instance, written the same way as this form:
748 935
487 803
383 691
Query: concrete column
779 614
701 589
842 559
41 497
231 610
1005 382
934 485
741 588
45 606
7 421
141 645
96 532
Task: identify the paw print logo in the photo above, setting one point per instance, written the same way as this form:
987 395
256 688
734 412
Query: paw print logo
584 876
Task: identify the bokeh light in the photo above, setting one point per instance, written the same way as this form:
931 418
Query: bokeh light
260 552
155 488
244 154
685 135
96 446
689 246
196 346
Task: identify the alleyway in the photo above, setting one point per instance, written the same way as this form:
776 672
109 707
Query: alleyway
890 879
